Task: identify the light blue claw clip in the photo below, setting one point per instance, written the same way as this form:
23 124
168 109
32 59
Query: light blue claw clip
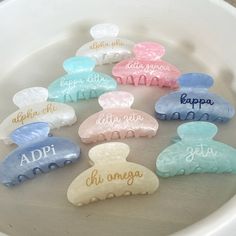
80 82
37 153
194 102
196 152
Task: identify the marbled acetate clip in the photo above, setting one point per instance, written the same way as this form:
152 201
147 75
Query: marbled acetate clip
117 120
106 47
37 153
196 152
34 107
146 68
111 176
81 82
194 102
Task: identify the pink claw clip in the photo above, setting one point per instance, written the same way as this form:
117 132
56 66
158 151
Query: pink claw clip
117 120
147 68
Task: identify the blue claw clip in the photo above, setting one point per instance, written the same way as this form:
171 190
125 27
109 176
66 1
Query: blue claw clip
80 82
194 102
196 152
37 153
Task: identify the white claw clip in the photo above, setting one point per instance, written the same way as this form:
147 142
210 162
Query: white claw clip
34 107
106 47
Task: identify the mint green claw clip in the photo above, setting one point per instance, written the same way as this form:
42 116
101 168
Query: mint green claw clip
80 82
196 152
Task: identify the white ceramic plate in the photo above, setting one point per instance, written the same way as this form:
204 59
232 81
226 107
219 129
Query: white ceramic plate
36 36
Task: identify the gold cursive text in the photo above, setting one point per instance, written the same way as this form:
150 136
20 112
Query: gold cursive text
94 178
21 117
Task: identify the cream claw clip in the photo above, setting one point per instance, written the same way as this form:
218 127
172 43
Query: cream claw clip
111 176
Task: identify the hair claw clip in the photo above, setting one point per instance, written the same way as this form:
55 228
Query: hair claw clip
81 82
196 152
34 107
111 176
117 120
194 102
37 153
146 67
106 47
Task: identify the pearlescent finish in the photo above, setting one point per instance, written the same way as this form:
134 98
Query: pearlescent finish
74 65
196 80
111 176
81 82
106 47
36 154
117 120
119 99
104 30
146 67
36 110
196 152
33 132
182 201
194 102
36 95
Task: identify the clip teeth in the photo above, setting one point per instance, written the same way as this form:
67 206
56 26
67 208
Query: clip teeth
190 116
110 196
144 80
116 135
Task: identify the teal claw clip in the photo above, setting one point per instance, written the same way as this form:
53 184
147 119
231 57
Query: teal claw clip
80 82
196 152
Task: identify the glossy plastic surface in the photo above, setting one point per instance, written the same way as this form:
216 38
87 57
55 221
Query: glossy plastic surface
81 82
106 47
36 154
111 176
34 107
117 120
194 102
196 152
201 40
147 67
